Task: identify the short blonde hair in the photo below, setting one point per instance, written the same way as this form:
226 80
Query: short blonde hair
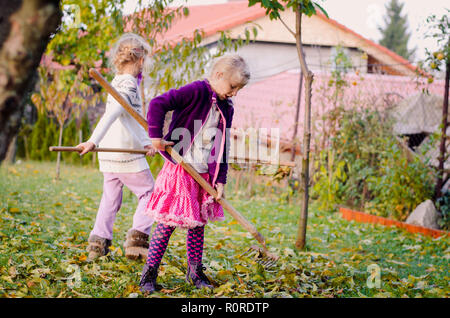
232 64
129 48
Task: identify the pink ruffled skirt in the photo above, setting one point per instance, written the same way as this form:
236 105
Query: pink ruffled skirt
178 200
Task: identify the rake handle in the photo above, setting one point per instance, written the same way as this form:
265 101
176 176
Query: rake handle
75 149
176 156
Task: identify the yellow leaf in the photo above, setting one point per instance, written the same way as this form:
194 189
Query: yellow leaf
224 274
7 278
327 273
421 284
119 252
225 288
12 271
14 210
242 269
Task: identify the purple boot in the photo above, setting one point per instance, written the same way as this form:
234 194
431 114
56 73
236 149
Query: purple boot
148 279
196 276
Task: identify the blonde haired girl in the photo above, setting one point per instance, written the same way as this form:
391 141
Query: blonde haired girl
178 200
117 129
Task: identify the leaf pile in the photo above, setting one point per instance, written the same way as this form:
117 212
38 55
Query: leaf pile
44 226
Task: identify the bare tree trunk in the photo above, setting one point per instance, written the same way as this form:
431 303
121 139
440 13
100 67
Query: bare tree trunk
297 114
25 144
58 158
11 153
309 77
25 29
94 157
439 183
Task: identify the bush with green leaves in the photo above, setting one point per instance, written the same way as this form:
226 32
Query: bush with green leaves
34 140
443 205
366 168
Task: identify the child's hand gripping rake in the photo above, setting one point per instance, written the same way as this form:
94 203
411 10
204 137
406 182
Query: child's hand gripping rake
264 257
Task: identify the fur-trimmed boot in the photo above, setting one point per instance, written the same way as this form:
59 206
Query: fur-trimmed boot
148 279
196 276
98 246
136 244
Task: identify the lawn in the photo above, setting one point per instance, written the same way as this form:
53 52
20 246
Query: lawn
44 226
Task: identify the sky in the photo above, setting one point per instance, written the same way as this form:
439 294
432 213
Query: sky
364 17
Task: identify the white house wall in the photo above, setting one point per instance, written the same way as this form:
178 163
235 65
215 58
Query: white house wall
315 32
267 59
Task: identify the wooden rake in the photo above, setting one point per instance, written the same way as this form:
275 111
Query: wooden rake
263 256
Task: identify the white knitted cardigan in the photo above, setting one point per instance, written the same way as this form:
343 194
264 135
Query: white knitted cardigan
117 129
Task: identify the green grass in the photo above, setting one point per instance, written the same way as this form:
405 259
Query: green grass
44 226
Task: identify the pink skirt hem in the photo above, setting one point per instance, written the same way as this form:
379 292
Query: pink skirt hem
179 201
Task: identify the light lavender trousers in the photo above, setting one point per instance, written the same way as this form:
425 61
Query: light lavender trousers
141 184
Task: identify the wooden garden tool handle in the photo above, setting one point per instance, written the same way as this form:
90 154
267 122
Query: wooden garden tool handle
75 149
208 188
122 101
176 156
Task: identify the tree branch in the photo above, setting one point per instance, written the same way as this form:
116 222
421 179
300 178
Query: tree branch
287 27
298 38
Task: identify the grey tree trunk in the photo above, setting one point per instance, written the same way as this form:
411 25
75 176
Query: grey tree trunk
10 156
297 114
25 29
58 158
309 77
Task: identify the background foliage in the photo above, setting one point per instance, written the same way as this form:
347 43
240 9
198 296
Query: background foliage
366 168
87 33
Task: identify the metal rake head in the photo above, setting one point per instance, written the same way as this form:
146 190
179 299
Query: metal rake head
262 256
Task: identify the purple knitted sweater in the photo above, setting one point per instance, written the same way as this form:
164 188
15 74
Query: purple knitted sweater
192 103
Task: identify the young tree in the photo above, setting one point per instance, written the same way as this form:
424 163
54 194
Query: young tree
91 27
62 96
88 30
439 29
395 35
25 29
300 8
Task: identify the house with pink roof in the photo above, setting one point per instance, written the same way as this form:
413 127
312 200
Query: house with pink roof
378 77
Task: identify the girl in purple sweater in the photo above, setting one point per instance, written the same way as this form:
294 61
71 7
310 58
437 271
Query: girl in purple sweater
202 112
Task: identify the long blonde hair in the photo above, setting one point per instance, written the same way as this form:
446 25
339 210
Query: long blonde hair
129 48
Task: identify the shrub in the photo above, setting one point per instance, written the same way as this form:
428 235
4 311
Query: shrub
443 205
367 168
44 133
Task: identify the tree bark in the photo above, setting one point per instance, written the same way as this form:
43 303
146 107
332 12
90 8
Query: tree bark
440 178
58 157
25 29
309 77
10 156
297 114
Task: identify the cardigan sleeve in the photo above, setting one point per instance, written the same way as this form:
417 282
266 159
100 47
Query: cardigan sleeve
171 100
126 87
113 110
